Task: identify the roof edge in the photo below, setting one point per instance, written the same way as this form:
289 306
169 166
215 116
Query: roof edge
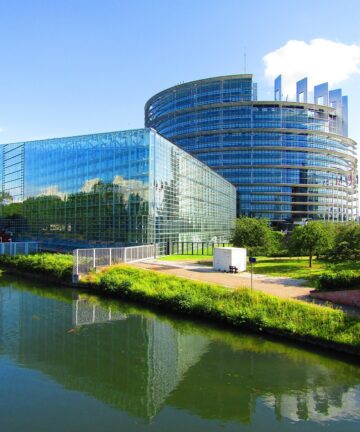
203 80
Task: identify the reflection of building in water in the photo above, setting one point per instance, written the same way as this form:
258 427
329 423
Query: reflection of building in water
319 404
9 320
143 362
133 364
233 384
85 312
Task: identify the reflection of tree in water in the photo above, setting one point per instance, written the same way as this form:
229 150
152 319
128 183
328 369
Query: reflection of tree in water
141 362
234 380
104 213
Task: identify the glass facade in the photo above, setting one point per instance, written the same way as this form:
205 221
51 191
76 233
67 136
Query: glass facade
288 160
111 189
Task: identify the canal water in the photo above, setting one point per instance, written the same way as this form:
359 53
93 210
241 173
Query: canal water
72 362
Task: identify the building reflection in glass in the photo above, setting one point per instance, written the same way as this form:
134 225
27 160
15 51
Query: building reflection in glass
111 189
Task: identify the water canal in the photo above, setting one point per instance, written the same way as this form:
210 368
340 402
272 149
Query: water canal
73 362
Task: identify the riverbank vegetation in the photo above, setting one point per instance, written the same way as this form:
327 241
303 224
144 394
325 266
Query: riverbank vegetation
241 308
57 267
323 274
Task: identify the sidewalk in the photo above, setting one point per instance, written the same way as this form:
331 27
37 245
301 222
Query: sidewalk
278 286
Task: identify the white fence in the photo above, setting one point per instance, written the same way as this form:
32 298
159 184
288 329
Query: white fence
18 248
87 259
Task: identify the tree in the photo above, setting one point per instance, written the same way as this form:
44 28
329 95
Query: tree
347 242
255 235
315 238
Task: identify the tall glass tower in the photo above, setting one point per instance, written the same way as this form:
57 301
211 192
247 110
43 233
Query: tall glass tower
290 161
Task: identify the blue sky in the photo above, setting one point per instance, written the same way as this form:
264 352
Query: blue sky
71 67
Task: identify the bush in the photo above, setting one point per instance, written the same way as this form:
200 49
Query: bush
57 267
336 281
347 243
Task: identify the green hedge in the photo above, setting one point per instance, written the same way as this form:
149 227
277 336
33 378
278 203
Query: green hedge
240 307
336 281
57 267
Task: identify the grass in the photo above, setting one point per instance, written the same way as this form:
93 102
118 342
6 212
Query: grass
196 259
57 267
239 308
296 268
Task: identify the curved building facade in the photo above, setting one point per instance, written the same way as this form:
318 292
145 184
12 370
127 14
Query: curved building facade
290 161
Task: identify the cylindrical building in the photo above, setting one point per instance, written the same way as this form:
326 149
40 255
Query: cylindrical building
290 161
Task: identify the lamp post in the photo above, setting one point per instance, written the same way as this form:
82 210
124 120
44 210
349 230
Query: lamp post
252 260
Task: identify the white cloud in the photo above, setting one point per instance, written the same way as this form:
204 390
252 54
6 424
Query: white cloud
1 130
320 60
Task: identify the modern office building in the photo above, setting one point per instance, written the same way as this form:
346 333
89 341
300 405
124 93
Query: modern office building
290 161
111 189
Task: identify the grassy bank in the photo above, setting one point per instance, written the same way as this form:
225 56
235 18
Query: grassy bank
240 308
55 267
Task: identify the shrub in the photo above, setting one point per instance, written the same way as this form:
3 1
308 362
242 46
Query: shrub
347 242
54 266
336 281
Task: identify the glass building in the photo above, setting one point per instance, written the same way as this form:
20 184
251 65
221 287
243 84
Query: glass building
290 161
111 189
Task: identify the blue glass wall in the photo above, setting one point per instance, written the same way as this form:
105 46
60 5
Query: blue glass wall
118 188
286 159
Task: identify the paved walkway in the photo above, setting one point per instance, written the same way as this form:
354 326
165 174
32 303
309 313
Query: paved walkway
278 286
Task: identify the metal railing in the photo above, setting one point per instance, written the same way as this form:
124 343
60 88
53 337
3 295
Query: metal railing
18 248
86 260
194 248
85 312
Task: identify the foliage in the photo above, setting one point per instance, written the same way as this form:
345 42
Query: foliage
278 247
57 267
347 242
240 307
314 238
342 280
256 235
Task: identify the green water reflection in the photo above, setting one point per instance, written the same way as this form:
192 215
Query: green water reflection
88 363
